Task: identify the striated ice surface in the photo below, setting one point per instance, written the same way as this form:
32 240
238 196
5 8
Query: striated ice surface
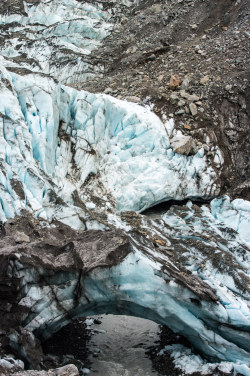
54 139
58 36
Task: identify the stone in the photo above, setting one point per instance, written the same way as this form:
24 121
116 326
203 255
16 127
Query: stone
157 8
174 82
68 370
181 103
124 20
189 97
204 80
133 99
180 112
182 144
201 52
185 83
174 97
21 237
193 109
108 90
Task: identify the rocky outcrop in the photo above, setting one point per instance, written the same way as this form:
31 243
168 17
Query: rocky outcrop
69 370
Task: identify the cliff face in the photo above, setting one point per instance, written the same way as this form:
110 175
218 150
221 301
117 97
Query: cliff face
108 109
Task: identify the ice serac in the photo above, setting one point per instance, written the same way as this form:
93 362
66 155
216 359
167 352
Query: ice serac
59 142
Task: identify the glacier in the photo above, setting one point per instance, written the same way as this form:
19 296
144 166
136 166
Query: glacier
55 138
123 274
78 171
57 38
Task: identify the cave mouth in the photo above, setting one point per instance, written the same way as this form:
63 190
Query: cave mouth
105 345
156 211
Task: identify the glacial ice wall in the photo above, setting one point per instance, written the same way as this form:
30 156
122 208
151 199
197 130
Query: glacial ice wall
54 139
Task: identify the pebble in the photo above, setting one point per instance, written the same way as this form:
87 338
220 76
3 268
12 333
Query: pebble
181 103
193 109
185 83
180 112
189 97
108 90
204 80
133 99
174 82
174 97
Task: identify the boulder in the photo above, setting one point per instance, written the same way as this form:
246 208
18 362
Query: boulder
182 144
21 237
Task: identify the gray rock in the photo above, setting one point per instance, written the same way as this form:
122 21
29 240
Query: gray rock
204 80
181 103
193 109
108 90
21 237
189 97
182 144
174 97
180 112
69 370
185 83
133 99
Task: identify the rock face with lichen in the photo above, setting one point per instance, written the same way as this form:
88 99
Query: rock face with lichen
79 168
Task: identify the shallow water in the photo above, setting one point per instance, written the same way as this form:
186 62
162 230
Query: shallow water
121 342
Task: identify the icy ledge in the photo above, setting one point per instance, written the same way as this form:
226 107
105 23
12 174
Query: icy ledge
57 143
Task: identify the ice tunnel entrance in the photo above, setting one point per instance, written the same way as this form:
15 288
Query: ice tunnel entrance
112 272
156 211
107 345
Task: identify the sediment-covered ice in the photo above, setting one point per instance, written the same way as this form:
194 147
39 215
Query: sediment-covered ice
57 37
